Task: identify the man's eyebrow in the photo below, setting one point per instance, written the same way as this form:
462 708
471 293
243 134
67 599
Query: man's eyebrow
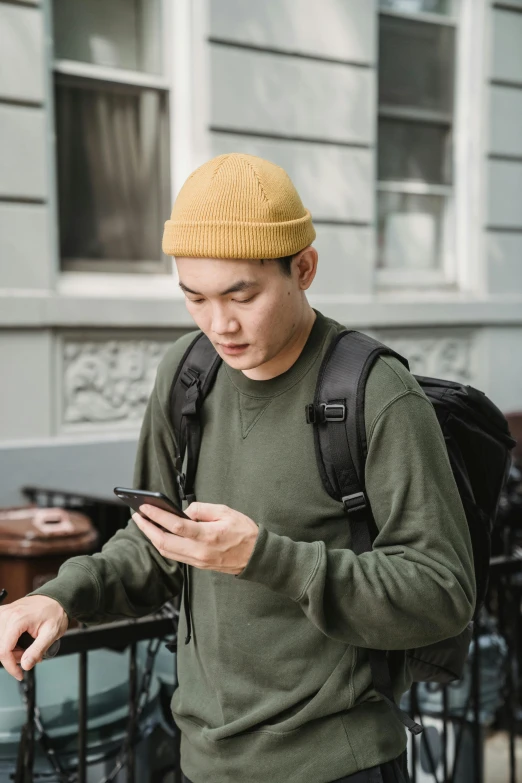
241 285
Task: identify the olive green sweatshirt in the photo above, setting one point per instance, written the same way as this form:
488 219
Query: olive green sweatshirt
275 684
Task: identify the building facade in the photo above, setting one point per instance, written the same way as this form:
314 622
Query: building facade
400 122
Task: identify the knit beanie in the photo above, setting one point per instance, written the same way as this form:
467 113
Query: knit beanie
238 206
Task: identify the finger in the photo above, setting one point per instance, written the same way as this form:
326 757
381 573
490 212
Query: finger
10 664
206 512
46 636
170 546
8 642
171 522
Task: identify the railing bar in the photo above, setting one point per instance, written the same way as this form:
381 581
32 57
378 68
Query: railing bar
445 719
424 739
513 684
82 718
177 772
115 635
475 686
20 758
112 501
414 713
29 749
133 689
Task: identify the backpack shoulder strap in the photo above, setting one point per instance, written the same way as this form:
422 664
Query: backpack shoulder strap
192 382
337 414
338 417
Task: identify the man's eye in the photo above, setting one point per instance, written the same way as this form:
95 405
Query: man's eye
196 301
245 301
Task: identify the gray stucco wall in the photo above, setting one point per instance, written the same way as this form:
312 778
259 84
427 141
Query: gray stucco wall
301 91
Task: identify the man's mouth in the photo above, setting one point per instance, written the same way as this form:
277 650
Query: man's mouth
232 349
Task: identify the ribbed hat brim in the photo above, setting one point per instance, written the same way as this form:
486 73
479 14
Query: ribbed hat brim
234 239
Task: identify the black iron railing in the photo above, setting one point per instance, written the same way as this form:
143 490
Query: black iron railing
117 636
442 760
445 761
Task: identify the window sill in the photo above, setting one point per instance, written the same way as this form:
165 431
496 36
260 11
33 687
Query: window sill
22 309
109 285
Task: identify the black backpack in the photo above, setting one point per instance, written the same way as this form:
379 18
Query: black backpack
477 439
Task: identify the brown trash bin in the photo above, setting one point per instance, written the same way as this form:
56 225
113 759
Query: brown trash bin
34 542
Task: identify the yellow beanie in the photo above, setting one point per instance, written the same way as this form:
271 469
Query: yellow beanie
238 206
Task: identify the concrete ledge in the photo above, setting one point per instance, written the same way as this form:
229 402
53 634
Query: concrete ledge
47 310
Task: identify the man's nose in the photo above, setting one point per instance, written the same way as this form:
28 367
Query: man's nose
222 323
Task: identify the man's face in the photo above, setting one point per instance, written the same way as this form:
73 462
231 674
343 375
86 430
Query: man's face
249 310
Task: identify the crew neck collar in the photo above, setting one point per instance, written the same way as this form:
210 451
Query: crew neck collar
290 377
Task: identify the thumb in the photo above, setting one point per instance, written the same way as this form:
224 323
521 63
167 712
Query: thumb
34 653
205 512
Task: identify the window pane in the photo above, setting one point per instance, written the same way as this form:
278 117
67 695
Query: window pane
112 33
410 230
416 64
112 172
417 6
414 151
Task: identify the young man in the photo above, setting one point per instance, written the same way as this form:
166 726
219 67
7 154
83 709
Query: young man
274 684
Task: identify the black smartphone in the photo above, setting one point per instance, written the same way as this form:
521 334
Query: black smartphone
138 497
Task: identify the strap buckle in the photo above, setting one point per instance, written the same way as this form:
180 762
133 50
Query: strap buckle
325 412
192 395
181 479
333 411
188 377
355 502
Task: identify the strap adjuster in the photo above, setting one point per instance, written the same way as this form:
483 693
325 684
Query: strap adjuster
192 395
324 412
188 377
355 502
333 411
181 480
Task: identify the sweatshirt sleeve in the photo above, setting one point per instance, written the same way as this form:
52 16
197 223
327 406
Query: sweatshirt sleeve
417 585
128 578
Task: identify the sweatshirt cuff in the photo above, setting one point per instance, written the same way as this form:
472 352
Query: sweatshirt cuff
283 565
75 588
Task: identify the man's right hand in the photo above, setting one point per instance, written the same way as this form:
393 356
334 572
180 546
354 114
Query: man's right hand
42 617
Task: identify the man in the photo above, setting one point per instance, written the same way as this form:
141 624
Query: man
274 684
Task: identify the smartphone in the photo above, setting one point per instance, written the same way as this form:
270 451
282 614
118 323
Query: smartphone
138 497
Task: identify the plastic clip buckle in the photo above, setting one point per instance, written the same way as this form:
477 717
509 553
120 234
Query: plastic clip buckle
333 411
355 502
188 377
181 478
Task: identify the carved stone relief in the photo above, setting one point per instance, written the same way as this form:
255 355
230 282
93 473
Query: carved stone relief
439 355
108 382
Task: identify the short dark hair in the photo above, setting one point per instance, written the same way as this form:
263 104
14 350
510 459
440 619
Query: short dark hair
285 264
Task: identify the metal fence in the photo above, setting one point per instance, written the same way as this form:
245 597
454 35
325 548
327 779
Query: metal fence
456 717
450 750
116 636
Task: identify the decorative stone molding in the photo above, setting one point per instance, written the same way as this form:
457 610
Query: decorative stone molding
110 381
435 354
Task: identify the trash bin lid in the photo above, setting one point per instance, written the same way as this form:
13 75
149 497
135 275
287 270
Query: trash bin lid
30 531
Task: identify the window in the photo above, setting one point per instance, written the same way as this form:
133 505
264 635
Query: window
417 73
112 134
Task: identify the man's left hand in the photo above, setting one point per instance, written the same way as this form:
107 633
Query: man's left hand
216 537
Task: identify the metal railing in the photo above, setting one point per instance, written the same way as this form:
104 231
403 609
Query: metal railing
443 759
440 760
117 636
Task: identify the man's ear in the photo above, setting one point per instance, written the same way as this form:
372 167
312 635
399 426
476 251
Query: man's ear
305 264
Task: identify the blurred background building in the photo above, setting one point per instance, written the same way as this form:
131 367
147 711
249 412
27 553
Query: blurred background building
400 122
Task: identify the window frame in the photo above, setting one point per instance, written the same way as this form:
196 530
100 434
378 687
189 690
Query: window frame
76 275
461 222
